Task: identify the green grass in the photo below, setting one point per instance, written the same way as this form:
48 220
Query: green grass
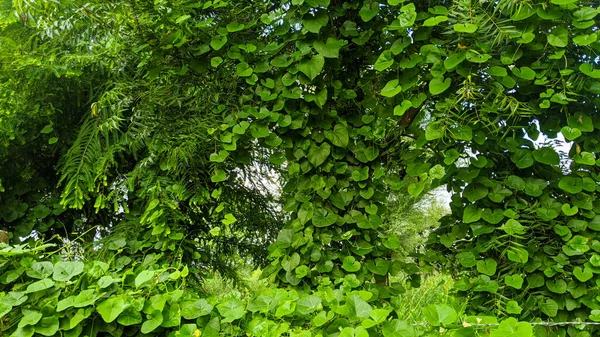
435 289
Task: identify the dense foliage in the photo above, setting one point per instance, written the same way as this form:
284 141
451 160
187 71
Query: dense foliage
137 137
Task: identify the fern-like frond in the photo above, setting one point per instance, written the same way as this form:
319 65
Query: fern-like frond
78 171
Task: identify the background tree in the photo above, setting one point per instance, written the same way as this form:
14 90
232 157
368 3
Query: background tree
345 100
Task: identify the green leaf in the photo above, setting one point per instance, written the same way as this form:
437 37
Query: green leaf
378 267
585 39
47 129
361 174
320 98
512 307
454 60
471 214
182 18
130 316
5 308
368 11
569 210
391 89
434 21
525 73
515 182
40 270
585 158
244 70
30 317
513 227
408 15
218 42
522 158
526 38
330 49
26 331
188 330
84 298
143 277
350 264
515 281
546 155
79 316
234 27
559 37
318 154
468 28
285 308
438 10
313 67
578 245
231 310
195 309
463 132
47 326
518 255
549 307
582 275
557 286
400 109
493 217
40 285
65 303
338 136
65 270
437 172
581 121
398 328
111 308
474 56
440 314
511 328
154 321
438 85
570 184
218 176
287 80
384 61
358 307
487 266
221 156
308 304
570 133
323 218
475 192
216 61
314 23
585 14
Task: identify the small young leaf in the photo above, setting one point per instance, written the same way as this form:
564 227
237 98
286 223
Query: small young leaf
143 277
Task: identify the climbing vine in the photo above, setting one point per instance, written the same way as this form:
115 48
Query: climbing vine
345 101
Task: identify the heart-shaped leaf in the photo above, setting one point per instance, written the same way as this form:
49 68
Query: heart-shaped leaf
391 89
368 11
582 274
438 85
338 136
570 133
384 61
318 154
331 48
467 28
313 67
